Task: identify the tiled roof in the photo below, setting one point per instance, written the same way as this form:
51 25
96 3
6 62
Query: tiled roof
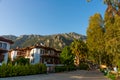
6 40
36 46
45 47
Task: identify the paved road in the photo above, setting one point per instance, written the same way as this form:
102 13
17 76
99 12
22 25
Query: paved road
74 75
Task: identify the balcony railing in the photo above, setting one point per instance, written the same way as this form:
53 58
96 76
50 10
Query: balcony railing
49 55
2 50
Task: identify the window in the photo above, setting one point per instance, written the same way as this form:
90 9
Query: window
0 44
1 58
32 54
51 60
32 61
41 51
49 52
46 51
4 45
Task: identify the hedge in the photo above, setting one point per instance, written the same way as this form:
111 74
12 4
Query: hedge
9 70
83 66
64 68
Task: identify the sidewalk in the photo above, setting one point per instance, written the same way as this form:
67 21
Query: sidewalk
73 75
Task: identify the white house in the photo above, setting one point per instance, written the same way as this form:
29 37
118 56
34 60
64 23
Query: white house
34 55
38 54
13 54
4 47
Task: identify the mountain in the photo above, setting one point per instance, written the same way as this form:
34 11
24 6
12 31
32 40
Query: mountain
57 41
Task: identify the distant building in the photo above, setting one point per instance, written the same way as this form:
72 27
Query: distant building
37 54
4 47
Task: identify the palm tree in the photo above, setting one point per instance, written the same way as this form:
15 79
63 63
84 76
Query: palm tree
79 49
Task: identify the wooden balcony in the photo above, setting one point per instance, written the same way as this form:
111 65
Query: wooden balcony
3 50
1 57
50 55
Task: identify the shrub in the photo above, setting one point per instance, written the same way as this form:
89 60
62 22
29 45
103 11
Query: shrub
21 60
65 68
58 68
83 66
71 68
8 70
111 76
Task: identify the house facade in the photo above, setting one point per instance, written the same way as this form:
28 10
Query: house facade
37 54
4 47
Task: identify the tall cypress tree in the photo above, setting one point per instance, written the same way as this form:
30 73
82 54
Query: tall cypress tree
95 37
112 39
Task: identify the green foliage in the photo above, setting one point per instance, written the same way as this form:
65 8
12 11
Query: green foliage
21 60
83 66
112 39
66 56
95 37
21 70
113 7
114 3
111 76
79 49
103 39
65 68
60 68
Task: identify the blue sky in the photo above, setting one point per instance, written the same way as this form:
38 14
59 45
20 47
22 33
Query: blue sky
45 17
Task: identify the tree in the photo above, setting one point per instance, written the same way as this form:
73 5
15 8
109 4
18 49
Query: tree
109 34
95 37
79 49
112 39
67 58
113 6
112 32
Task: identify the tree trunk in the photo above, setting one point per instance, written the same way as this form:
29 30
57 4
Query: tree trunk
112 10
77 61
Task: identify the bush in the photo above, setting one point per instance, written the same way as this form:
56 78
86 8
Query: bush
21 60
64 68
71 67
111 76
60 68
83 66
8 70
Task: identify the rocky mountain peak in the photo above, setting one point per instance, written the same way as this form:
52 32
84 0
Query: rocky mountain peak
57 41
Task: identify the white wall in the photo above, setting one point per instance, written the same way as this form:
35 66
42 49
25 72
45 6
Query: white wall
13 55
7 48
36 55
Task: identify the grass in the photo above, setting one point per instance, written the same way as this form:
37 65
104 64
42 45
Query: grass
111 76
